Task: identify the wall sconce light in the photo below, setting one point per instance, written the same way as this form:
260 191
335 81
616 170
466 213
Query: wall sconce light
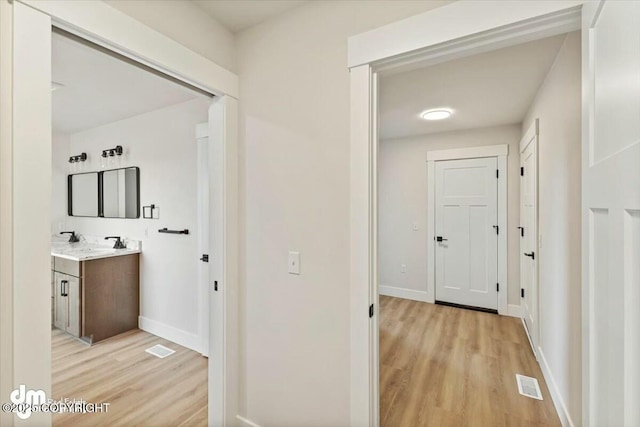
79 158
109 158
112 151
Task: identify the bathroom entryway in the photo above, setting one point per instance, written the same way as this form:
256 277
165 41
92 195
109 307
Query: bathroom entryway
132 194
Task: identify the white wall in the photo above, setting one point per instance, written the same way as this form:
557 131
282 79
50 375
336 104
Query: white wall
187 24
558 106
60 171
294 183
162 144
402 183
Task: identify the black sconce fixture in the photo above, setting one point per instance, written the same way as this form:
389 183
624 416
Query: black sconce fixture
79 158
112 151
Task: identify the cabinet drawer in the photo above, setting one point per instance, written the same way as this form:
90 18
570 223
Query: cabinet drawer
67 266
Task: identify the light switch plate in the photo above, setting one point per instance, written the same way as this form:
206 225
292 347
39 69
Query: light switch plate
403 268
294 262
415 226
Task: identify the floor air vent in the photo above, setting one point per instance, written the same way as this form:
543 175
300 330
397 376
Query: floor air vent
160 351
529 387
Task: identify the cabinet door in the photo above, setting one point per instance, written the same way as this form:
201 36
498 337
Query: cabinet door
60 302
73 305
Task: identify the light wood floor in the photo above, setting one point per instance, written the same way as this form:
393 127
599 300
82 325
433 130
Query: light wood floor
143 390
444 366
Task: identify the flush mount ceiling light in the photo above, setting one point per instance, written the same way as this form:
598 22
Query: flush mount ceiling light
436 114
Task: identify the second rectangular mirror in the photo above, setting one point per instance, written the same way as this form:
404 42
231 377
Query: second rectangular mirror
120 193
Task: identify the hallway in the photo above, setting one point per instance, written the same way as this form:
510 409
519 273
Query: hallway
445 366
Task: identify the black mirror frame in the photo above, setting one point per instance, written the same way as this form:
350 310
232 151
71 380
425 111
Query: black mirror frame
101 193
70 194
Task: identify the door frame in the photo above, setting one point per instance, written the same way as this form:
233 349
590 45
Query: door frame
22 348
531 137
204 247
456 30
500 152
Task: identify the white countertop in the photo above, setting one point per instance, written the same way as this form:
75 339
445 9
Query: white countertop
85 251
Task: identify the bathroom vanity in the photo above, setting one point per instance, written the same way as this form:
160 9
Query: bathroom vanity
95 290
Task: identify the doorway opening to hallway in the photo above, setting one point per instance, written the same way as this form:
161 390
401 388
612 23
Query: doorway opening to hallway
457 229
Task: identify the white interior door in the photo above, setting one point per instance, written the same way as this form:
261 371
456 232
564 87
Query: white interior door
529 233
466 228
611 213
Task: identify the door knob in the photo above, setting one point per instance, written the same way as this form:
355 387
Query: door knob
441 239
532 255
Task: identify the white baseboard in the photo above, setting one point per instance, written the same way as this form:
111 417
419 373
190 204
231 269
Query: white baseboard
514 310
412 294
170 333
558 402
246 422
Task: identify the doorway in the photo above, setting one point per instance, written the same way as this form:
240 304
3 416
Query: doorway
529 233
404 154
601 391
149 189
28 65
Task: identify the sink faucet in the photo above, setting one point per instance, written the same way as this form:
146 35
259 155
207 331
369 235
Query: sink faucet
73 238
119 244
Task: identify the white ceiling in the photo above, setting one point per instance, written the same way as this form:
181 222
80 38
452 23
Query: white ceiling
100 89
488 89
237 15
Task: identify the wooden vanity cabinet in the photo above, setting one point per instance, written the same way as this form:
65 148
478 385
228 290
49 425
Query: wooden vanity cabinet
96 299
110 296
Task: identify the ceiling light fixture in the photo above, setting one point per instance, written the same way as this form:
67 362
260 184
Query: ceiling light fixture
436 114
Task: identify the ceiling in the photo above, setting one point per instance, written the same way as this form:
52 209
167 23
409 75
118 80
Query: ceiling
238 15
489 89
99 88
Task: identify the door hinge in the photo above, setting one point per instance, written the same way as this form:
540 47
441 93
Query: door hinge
205 258
521 170
497 287
521 292
371 310
497 229
497 173
215 286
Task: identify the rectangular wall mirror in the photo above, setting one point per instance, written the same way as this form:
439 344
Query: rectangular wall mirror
120 195
108 194
83 194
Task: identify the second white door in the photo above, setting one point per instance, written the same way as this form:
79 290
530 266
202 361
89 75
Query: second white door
466 219
529 234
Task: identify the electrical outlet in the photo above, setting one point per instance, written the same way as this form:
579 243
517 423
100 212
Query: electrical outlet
294 262
403 268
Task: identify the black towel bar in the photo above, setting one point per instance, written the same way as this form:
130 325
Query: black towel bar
166 230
